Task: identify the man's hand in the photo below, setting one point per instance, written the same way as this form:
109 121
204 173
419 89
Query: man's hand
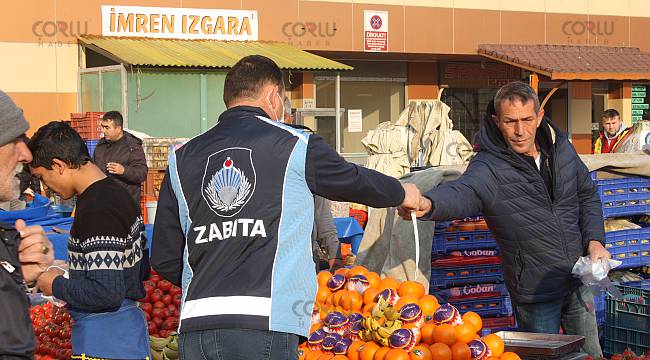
597 251
424 207
335 264
115 168
35 251
412 195
47 278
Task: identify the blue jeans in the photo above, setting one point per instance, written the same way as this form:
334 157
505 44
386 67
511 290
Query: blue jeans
236 344
575 312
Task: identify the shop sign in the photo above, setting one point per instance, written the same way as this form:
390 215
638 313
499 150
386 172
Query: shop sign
179 23
375 31
640 102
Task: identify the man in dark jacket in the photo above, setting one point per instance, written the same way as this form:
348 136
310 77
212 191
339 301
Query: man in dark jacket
541 205
120 155
25 251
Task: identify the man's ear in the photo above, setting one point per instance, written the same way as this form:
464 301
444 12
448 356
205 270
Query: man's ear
540 116
495 119
59 165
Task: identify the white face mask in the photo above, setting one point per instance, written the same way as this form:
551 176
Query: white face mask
281 116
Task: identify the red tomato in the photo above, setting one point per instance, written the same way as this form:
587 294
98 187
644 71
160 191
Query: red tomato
152 327
158 313
156 295
164 285
158 305
178 298
167 299
158 321
144 299
146 307
175 290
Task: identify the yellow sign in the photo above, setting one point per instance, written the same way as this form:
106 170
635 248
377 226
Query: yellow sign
179 23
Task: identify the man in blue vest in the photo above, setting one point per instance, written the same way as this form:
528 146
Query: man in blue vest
234 221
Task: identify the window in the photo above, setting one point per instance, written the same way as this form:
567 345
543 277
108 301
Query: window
379 101
468 108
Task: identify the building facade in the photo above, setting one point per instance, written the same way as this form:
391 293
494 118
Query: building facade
400 50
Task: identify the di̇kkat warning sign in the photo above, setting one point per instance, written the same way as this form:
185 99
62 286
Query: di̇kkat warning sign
375 34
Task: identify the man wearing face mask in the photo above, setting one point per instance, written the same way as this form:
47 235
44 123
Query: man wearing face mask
234 221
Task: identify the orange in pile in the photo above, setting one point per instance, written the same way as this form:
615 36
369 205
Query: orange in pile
434 337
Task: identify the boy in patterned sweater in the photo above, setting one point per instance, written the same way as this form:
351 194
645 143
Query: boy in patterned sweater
107 250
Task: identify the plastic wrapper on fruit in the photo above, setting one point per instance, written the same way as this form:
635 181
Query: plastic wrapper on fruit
595 273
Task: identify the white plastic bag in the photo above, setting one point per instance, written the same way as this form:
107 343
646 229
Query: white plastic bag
595 273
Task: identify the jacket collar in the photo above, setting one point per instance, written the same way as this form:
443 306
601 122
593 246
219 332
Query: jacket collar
245 109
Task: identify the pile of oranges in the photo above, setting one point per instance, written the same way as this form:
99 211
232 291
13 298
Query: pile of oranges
355 307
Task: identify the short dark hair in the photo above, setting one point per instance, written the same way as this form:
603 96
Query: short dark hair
515 90
115 117
57 140
610 114
248 75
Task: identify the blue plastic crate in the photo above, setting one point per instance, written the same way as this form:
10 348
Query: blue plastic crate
471 290
627 321
444 242
624 196
91 145
485 306
599 304
632 246
444 277
495 324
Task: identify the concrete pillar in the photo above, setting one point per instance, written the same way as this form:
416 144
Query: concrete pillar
422 81
303 95
619 97
580 115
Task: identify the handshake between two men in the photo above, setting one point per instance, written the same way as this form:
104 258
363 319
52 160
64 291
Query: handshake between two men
413 202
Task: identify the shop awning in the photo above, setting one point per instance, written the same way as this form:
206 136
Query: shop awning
204 53
573 62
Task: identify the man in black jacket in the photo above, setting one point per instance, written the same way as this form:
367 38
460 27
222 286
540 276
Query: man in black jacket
120 155
540 203
25 251
234 220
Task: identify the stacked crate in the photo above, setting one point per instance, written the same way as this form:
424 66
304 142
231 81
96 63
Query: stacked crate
87 124
466 272
156 151
625 323
91 145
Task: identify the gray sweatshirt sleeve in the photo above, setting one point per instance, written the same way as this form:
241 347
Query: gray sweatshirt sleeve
326 235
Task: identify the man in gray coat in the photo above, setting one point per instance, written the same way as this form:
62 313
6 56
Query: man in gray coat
540 203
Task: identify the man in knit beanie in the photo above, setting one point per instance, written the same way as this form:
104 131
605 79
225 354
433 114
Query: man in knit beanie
25 251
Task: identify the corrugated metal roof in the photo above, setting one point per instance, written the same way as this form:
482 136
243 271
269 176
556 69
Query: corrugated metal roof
573 62
207 53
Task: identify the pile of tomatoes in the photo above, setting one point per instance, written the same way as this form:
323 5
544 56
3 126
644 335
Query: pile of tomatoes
161 306
53 327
